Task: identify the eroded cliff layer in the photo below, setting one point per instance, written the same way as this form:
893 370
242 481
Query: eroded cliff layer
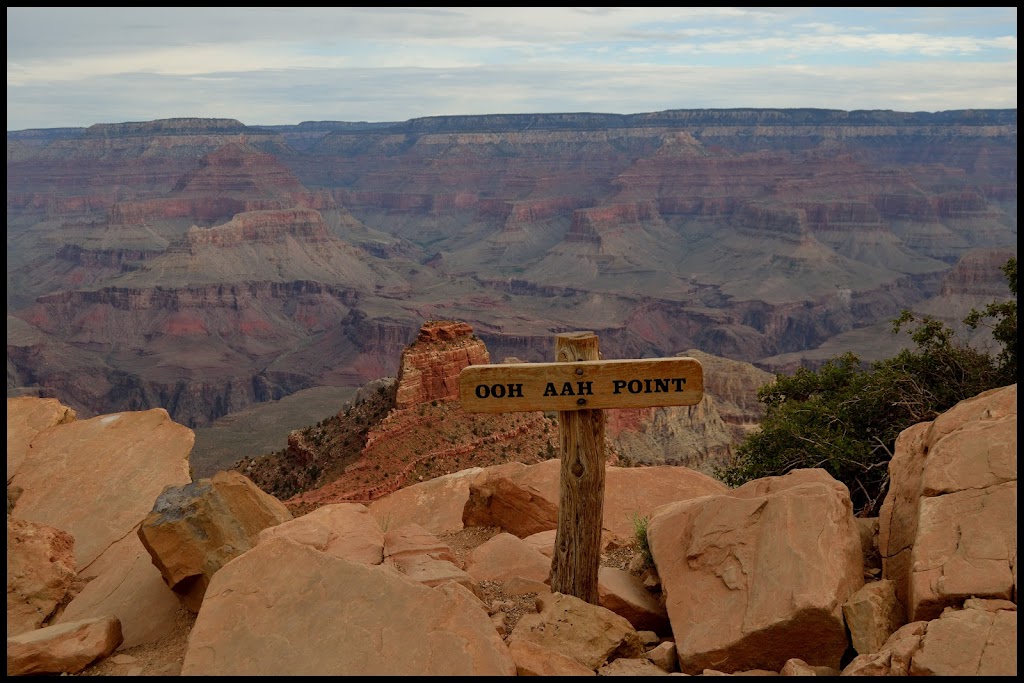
160 258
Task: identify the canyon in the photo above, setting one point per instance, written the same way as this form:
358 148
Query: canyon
207 267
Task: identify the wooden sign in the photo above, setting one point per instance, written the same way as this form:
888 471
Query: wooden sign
581 385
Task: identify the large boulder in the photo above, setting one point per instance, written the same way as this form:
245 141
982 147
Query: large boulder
872 615
40 570
286 609
196 529
523 499
635 492
758 575
970 642
948 526
124 582
520 499
97 479
589 634
505 557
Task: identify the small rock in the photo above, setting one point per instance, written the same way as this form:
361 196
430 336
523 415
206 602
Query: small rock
664 656
648 638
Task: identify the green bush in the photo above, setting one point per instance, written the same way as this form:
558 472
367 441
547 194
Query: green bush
845 417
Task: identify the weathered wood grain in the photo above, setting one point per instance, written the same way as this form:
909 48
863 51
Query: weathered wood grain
577 553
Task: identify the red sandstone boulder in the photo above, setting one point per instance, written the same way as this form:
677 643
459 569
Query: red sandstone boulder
948 526
97 479
631 667
307 613
543 542
63 648
625 594
637 491
196 529
536 660
872 615
523 499
121 461
123 581
979 640
664 656
412 539
40 569
758 575
421 556
970 642
590 634
505 558
436 505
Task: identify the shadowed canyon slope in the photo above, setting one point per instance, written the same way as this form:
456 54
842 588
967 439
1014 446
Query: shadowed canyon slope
205 265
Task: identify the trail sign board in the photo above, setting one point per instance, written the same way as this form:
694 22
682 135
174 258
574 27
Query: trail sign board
581 385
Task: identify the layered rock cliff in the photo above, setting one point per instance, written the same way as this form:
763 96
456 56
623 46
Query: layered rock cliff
751 233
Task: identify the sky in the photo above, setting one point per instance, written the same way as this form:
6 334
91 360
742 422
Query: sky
78 66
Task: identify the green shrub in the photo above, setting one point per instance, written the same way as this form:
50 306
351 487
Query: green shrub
845 417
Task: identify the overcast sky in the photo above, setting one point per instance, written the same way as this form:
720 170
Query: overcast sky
80 66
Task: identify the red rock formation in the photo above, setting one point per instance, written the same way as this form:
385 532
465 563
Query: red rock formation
430 367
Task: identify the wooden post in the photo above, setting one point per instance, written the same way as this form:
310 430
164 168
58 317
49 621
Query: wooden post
579 385
577 554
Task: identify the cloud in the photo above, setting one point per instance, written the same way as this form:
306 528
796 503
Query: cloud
78 66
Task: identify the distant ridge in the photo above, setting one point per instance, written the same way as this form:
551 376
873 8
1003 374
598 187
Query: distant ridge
553 121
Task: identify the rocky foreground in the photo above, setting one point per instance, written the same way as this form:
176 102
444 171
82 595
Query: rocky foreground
109 539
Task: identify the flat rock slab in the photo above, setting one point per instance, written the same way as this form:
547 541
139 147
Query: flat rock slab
124 582
286 609
63 648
